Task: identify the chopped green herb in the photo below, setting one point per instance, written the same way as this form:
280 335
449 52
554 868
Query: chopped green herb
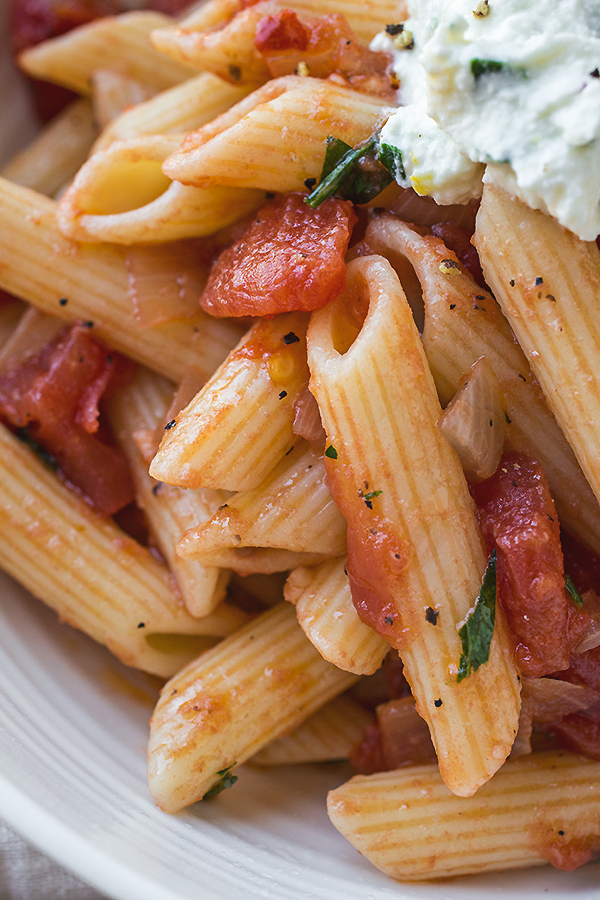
351 173
573 592
331 453
226 780
477 632
390 158
372 494
481 67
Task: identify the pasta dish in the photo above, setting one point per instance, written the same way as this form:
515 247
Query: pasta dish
298 401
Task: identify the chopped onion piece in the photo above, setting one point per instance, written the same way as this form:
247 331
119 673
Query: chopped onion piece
545 700
473 422
591 639
166 280
307 419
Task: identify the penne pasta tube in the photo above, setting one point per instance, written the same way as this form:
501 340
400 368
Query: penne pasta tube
415 555
121 196
292 510
228 51
113 92
178 110
239 426
112 42
276 137
464 323
547 282
140 406
366 17
33 330
328 734
537 809
260 560
38 264
222 709
90 572
329 620
56 154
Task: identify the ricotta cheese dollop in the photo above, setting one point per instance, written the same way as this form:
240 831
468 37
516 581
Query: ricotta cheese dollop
504 90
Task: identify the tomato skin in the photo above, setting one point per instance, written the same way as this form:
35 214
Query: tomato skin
518 518
284 31
580 732
54 395
290 258
458 239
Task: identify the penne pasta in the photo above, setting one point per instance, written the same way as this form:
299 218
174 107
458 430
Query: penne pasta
180 109
275 139
329 620
292 510
221 710
328 734
38 264
413 540
113 42
121 196
537 809
57 152
259 560
549 293
113 92
463 323
239 426
114 590
138 407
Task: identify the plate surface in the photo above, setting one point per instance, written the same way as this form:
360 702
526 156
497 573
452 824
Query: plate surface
73 732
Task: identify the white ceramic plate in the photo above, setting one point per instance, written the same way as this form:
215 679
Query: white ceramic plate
73 731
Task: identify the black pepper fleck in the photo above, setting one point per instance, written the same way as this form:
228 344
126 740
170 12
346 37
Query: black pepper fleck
539 280
88 324
522 377
282 394
290 450
170 424
394 29
561 832
157 488
508 419
437 703
389 620
235 72
310 183
595 73
290 338
142 625
453 306
432 615
63 301
512 282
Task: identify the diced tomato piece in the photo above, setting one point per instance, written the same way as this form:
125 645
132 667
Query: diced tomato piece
580 731
367 756
518 517
55 395
327 46
290 258
584 669
458 239
284 31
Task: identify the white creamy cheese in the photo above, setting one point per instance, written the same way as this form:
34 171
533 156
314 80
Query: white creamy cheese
516 87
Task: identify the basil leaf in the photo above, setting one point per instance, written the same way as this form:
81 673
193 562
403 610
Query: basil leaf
226 780
573 592
331 452
481 67
391 158
477 632
357 174
42 454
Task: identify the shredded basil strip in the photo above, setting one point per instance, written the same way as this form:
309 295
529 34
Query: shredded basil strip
351 173
331 452
481 67
573 592
478 629
371 495
226 780
391 158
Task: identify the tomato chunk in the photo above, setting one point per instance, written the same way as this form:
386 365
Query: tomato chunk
326 45
54 395
290 258
518 517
